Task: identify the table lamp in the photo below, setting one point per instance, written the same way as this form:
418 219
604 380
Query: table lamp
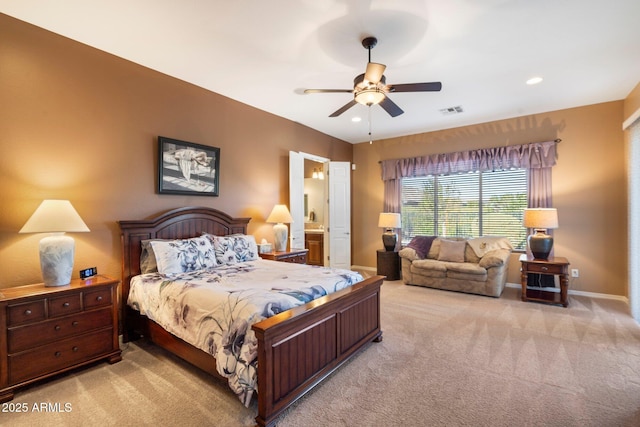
57 250
280 215
540 219
389 221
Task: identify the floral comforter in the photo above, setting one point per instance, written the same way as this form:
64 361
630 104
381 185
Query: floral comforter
214 309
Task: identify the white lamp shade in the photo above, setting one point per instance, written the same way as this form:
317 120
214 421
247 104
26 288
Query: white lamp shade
389 220
543 218
54 216
280 214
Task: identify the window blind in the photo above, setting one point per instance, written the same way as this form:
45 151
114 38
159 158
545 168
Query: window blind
466 204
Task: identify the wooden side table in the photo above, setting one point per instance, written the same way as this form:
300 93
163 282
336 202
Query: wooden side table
298 256
552 266
388 264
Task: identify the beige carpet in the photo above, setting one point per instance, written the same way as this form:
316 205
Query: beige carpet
447 359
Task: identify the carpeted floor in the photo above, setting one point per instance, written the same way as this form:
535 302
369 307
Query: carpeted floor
447 359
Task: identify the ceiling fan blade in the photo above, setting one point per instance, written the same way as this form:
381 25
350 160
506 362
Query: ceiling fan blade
343 108
390 107
416 87
328 91
374 72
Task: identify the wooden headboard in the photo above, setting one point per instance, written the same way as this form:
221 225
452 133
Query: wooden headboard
179 223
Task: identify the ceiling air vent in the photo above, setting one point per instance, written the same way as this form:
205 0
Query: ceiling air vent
451 110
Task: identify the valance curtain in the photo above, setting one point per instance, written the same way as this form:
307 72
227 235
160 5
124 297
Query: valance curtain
537 157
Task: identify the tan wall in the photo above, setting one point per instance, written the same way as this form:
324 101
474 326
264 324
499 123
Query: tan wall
79 124
589 186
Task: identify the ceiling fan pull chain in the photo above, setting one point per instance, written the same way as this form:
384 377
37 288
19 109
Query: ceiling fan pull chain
370 139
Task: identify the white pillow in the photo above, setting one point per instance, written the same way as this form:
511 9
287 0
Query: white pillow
182 256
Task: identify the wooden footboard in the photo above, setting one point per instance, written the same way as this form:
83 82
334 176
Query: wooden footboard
298 348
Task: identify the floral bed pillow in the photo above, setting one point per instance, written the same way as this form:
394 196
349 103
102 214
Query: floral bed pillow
234 248
182 256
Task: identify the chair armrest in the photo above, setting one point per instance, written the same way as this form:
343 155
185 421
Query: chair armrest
409 254
495 258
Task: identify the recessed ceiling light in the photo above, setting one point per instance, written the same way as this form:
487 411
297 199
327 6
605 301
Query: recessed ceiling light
356 119
534 80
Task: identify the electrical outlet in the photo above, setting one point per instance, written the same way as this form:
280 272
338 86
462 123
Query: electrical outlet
575 272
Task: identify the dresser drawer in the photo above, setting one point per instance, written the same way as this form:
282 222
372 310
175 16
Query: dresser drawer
96 298
27 312
545 268
29 336
61 306
58 355
299 259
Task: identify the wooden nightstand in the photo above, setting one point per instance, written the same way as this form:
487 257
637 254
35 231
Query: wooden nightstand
298 256
388 264
552 266
48 330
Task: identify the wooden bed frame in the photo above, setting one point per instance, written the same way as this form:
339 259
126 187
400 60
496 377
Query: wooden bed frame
297 349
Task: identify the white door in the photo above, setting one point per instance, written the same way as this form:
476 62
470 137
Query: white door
339 232
296 199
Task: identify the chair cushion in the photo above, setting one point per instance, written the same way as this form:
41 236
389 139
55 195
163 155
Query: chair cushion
465 267
429 268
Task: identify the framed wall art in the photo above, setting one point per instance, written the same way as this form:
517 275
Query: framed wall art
187 168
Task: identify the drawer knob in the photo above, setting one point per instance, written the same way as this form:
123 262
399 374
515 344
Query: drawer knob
99 298
75 349
66 304
57 327
545 268
74 323
57 354
27 312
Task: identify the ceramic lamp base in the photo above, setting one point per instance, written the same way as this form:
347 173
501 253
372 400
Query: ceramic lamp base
389 240
56 260
540 244
280 230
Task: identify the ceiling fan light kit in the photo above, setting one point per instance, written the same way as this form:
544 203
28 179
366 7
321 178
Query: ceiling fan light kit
370 88
370 96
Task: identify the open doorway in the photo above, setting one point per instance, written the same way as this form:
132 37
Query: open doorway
336 208
315 197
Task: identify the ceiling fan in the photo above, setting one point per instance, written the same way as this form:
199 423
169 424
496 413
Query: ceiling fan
370 88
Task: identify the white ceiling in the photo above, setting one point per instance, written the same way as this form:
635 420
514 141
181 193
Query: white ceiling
264 53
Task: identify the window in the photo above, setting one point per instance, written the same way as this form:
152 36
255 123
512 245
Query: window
466 204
